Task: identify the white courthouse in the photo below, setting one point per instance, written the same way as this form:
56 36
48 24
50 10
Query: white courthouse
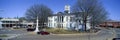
67 20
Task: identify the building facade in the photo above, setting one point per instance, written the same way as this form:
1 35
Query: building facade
1 25
8 22
66 20
114 24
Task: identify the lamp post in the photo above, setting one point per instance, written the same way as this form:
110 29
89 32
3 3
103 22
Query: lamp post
36 29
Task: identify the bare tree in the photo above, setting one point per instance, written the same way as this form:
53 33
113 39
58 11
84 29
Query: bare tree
92 9
21 19
98 17
41 11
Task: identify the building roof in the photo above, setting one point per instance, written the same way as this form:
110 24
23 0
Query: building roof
112 21
9 19
64 14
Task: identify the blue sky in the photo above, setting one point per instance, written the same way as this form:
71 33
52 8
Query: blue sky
14 8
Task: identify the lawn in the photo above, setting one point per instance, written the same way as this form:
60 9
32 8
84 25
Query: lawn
3 35
63 31
60 31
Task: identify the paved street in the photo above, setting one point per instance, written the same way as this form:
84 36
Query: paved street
57 37
13 31
117 32
103 35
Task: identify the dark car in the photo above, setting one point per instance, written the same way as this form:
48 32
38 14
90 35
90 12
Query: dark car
30 29
116 39
43 33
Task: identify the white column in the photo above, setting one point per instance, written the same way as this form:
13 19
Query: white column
37 30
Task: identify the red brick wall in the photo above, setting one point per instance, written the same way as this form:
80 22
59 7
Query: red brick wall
108 24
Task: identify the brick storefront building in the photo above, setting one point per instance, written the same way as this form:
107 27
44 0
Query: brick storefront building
115 24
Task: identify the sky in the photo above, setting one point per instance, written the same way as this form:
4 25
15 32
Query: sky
14 8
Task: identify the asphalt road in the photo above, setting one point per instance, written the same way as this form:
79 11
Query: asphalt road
117 32
56 37
103 35
10 31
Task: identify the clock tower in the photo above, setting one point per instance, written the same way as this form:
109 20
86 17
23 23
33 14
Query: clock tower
67 9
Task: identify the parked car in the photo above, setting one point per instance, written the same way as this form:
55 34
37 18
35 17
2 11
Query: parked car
43 33
30 29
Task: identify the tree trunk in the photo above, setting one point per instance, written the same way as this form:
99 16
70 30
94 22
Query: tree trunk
85 24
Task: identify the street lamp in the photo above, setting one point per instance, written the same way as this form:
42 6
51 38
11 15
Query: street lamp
36 29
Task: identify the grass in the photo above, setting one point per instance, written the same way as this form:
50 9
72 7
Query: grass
60 31
63 31
3 35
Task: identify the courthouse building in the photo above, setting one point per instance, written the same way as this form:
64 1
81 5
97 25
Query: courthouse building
67 20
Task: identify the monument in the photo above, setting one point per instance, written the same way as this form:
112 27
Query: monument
36 29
